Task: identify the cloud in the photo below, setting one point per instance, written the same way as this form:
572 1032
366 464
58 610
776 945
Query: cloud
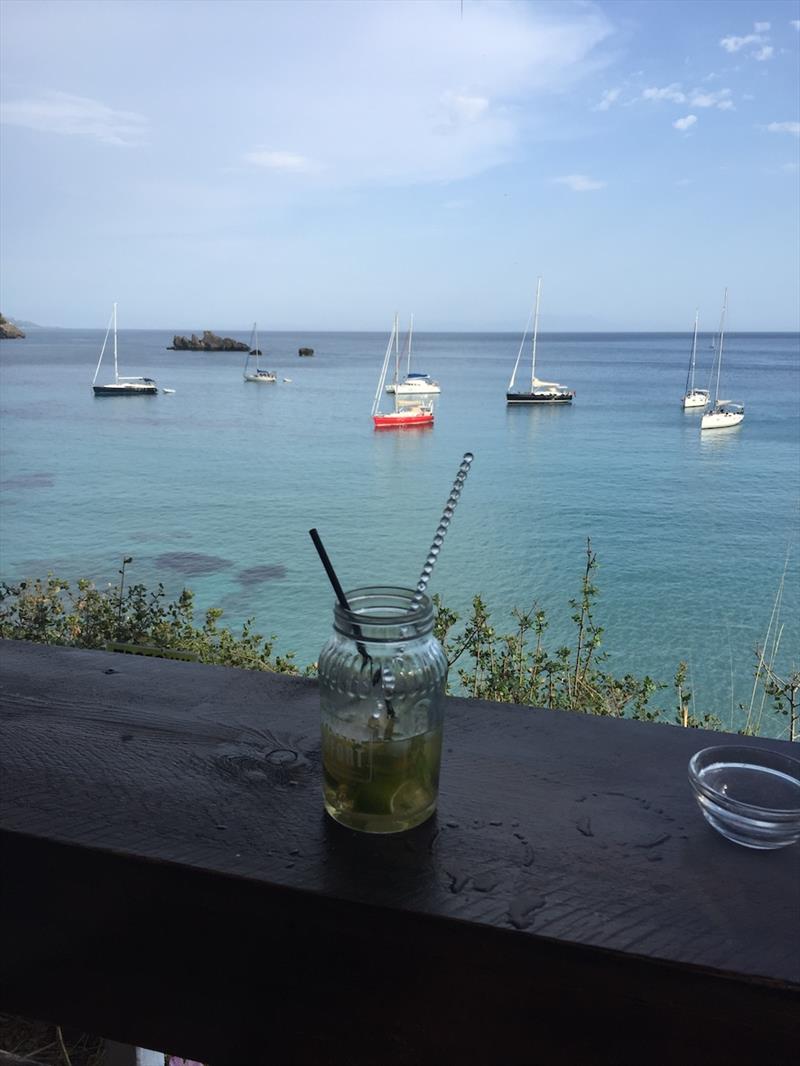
785 127
720 99
735 44
683 182
671 92
400 94
796 24
75 116
694 97
464 109
579 183
610 96
684 123
262 157
757 44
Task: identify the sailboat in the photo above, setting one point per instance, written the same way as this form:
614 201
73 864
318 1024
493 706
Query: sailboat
546 392
402 417
120 386
693 397
256 373
724 414
414 384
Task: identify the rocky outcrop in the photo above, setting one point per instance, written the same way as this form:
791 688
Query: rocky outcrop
8 331
305 351
209 342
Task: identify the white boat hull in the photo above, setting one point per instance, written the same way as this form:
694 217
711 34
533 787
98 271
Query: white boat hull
262 379
694 400
414 388
722 419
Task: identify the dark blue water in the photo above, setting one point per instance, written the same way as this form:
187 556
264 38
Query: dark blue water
216 486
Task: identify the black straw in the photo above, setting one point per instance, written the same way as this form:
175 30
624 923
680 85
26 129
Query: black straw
334 580
340 596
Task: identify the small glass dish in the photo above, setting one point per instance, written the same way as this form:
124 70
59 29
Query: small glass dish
750 795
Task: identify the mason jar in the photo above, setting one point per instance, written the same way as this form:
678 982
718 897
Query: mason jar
382 678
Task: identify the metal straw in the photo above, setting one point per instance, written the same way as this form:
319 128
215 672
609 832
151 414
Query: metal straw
441 529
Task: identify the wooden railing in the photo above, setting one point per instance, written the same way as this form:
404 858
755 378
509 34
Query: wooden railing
169 879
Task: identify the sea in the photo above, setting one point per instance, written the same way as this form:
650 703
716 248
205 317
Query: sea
215 486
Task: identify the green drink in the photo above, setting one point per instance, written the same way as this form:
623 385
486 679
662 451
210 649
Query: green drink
382 677
381 785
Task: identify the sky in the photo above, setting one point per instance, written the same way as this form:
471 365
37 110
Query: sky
319 165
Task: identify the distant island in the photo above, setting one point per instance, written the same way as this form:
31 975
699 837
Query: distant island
8 331
209 342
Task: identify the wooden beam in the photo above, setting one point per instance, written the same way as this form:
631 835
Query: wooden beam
567 900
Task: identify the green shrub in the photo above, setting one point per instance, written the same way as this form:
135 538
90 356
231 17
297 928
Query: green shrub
51 612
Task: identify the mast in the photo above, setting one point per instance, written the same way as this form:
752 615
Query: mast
410 332
396 350
384 368
397 356
690 376
255 334
535 330
103 349
513 377
250 348
116 369
721 338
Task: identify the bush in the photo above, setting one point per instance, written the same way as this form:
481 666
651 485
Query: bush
51 612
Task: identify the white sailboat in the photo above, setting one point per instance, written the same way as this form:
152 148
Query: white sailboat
265 377
417 383
724 414
694 398
544 392
120 386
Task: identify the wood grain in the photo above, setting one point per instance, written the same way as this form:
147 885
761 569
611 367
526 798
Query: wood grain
567 898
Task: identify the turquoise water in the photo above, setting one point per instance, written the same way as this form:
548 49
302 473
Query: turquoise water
216 486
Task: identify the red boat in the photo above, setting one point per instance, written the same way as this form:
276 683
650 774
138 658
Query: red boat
412 416
402 417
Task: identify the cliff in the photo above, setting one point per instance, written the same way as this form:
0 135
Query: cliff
8 331
209 342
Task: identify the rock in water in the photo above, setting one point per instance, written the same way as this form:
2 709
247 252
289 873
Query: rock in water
305 351
209 342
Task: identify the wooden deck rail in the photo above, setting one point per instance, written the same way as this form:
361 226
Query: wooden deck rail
169 879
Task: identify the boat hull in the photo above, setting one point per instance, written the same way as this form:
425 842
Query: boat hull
409 388
722 420
694 400
125 390
403 420
262 379
542 398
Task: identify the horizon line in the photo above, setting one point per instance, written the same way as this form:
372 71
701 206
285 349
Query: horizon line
24 324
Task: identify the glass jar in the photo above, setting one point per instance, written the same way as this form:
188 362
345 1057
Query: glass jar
382 678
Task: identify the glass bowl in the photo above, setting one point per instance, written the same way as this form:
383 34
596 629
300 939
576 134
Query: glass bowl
750 795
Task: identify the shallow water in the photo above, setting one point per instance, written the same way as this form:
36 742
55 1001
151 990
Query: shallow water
216 486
